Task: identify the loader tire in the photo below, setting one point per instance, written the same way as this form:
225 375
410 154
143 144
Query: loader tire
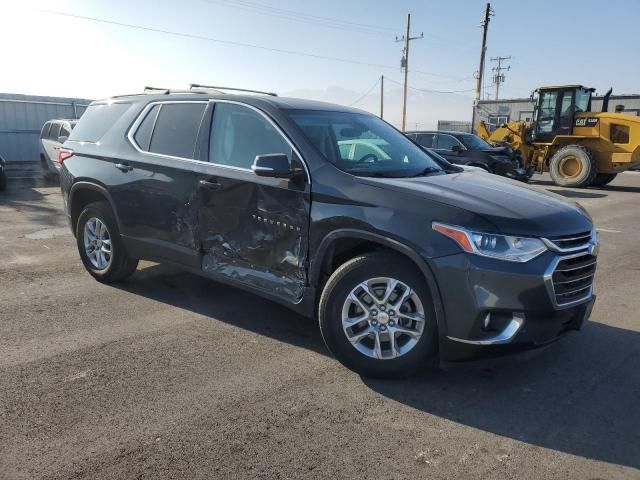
603 179
573 166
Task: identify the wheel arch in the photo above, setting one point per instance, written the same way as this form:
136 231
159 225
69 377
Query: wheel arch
344 244
83 193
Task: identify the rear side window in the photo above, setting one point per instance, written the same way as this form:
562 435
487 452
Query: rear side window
143 134
176 129
425 139
45 130
64 130
97 120
54 133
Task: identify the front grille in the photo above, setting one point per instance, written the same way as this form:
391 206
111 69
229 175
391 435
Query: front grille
572 241
573 278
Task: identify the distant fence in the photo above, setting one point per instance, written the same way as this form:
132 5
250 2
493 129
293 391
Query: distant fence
22 118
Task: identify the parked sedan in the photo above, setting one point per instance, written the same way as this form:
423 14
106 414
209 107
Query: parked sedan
468 149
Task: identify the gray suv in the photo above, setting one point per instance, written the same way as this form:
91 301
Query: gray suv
401 256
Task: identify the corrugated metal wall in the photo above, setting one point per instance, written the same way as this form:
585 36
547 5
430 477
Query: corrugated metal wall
455 125
22 118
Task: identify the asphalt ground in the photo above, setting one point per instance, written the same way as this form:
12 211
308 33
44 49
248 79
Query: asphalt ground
174 376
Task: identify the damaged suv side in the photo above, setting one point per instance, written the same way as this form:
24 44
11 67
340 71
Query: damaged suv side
401 256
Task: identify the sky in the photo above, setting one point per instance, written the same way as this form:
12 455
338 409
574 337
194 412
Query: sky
334 50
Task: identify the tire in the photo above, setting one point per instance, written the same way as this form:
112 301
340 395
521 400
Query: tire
603 179
47 174
3 182
119 265
573 166
420 353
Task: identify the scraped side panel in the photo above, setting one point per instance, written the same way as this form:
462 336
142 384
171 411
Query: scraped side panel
256 234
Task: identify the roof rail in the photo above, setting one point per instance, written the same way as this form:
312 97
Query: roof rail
212 87
167 91
148 89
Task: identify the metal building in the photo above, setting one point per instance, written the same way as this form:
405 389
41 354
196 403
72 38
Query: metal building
22 118
497 112
454 126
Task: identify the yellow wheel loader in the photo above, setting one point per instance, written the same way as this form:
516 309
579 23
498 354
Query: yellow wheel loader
579 148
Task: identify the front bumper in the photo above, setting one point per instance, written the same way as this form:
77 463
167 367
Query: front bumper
521 174
493 307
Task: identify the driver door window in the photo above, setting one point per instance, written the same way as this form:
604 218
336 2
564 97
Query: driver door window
565 120
239 134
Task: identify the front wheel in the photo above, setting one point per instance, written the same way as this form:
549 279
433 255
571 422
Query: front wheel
376 316
100 246
573 166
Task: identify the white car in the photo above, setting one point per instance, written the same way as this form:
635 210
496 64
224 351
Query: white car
54 133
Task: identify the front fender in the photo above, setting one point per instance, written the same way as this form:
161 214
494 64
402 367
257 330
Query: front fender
317 261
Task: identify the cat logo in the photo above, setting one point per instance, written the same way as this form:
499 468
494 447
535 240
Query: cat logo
589 122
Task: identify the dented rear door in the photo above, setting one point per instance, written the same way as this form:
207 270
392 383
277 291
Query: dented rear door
252 229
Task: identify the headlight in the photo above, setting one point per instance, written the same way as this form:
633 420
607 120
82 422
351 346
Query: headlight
503 247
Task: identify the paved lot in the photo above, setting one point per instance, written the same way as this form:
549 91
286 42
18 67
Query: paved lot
174 376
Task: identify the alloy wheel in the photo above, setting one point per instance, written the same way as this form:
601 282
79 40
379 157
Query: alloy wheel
97 243
383 318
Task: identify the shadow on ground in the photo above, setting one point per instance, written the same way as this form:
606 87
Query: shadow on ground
26 196
579 396
577 194
604 189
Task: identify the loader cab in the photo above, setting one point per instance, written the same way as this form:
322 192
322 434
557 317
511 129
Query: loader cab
555 109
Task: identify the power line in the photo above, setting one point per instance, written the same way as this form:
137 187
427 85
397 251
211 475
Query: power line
429 90
302 17
366 94
323 21
231 42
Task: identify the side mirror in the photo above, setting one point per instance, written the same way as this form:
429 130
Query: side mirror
63 139
274 165
457 149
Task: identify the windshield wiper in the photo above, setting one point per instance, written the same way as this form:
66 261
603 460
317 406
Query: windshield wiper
428 171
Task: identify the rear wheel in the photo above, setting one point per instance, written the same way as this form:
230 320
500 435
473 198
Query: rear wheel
573 166
603 179
376 317
47 174
100 246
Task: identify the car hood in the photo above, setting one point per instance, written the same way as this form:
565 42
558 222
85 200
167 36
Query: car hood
510 206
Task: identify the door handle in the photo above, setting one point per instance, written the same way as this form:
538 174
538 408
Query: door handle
124 167
210 184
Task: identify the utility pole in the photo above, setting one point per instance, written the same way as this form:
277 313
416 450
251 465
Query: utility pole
488 13
498 76
381 96
405 63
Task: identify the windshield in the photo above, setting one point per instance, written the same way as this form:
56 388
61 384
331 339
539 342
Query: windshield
473 142
363 145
